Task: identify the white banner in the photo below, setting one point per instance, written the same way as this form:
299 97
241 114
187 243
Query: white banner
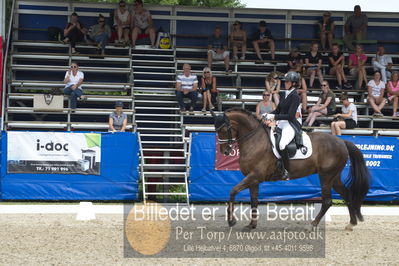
53 152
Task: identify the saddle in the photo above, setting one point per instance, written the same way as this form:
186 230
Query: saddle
299 148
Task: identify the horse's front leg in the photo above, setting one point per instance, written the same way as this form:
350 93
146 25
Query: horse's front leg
254 190
245 183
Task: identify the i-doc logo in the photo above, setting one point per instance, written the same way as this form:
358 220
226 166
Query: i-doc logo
51 146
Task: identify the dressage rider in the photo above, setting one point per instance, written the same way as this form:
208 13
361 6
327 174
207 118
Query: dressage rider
285 117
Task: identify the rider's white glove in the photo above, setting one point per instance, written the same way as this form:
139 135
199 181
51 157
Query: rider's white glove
268 116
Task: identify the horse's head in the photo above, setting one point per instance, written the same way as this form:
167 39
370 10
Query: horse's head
224 131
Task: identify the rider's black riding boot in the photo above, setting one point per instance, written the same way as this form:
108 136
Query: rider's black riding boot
285 163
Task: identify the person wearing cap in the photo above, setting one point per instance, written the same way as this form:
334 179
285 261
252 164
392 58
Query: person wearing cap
217 49
355 28
326 25
238 39
263 36
285 115
118 119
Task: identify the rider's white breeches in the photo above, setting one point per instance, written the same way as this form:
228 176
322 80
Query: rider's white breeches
288 133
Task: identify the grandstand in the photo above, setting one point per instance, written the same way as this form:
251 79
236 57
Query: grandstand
144 79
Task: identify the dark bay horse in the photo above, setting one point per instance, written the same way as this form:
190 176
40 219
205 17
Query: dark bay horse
259 164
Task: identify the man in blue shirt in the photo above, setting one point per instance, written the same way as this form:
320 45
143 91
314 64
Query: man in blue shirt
218 49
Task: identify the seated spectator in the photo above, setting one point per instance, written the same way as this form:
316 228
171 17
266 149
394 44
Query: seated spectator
313 61
208 84
376 89
100 34
382 63
186 86
393 92
266 106
295 61
142 23
238 39
355 28
122 21
356 65
337 62
326 25
346 120
302 90
263 36
73 84
325 104
118 119
217 49
273 85
74 32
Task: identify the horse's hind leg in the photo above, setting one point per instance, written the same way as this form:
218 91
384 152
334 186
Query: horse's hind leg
245 183
346 195
326 199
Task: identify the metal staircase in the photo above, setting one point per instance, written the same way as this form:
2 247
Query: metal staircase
164 148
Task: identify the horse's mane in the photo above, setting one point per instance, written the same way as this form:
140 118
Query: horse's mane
243 111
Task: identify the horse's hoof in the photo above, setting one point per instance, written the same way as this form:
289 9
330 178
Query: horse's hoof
251 226
310 227
349 227
360 218
232 222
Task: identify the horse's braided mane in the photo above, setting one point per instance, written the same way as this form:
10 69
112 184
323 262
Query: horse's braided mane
243 111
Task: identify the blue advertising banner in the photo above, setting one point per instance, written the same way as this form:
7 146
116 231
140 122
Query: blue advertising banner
207 184
117 178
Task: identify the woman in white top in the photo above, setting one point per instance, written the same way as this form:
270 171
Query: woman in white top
142 23
376 89
73 84
346 120
122 22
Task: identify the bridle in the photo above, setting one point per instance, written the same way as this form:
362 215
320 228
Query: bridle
230 140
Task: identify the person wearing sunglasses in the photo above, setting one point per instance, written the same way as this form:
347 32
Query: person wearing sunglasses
208 87
238 39
325 104
100 33
73 84
122 21
142 23
273 85
266 106
74 32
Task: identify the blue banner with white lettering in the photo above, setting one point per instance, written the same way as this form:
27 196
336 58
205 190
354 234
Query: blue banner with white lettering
207 184
59 178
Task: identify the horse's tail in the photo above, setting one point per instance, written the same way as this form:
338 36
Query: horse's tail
359 177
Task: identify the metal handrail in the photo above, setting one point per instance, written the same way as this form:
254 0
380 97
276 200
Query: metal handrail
8 37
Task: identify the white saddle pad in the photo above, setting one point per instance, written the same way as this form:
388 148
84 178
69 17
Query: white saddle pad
298 155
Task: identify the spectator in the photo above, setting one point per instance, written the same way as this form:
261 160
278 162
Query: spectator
122 21
325 104
382 63
326 25
357 68
303 94
295 61
393 92
263 36
266 106
186 86
376 89
118 119
73 84
273 85
74 32
217 49
208 84
238 39
313 62
355 28
337 62
346 120
142 23
100 34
